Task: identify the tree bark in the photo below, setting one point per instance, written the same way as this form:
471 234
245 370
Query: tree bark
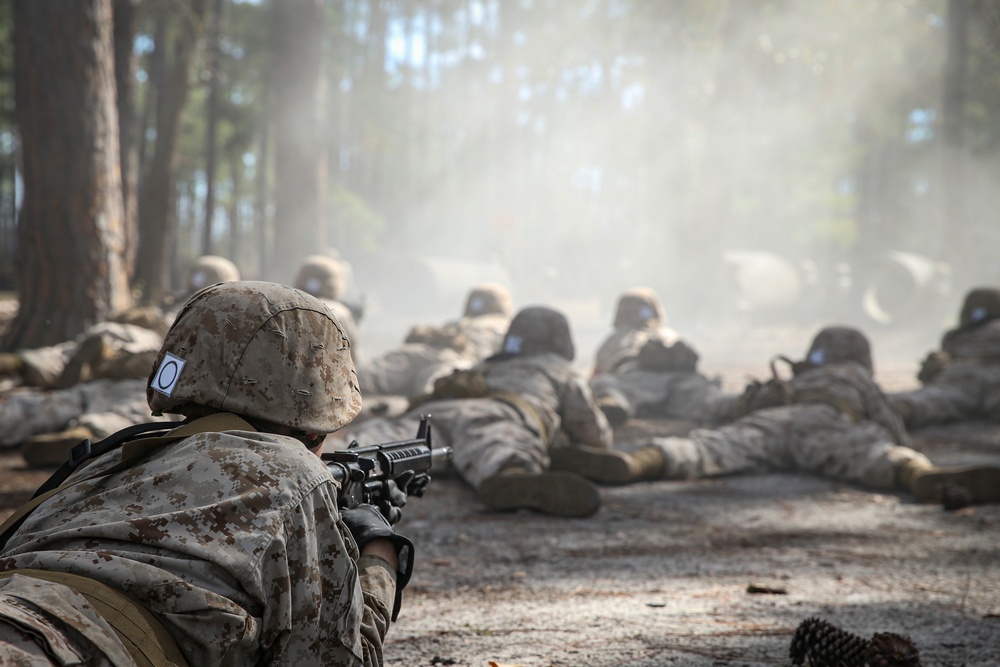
300 146
953 155
158 200
128 137
212 124
71 231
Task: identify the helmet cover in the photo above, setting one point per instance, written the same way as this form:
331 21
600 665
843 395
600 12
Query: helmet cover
257 349
639 307
538 329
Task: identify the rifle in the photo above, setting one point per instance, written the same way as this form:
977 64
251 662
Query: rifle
364 472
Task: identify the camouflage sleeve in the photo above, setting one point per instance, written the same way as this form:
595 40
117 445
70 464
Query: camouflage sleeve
880 410
336 605
582 420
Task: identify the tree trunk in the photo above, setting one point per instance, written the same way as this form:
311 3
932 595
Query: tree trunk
158 200
300 154
212 124
952 145
128 137
71 234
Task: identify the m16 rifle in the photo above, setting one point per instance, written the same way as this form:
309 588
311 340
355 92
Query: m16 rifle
372 475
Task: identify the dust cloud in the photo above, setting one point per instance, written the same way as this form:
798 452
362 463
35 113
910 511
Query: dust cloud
769 168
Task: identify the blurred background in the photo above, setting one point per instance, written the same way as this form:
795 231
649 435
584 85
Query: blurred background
757 162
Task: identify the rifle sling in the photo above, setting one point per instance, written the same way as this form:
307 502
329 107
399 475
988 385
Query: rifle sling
526 408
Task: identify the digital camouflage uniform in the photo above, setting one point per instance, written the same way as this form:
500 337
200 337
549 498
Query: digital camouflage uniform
966 381
96 383
232 539
644 369
830 419
639 318
326 278
101 406
839 425
506 413
430 352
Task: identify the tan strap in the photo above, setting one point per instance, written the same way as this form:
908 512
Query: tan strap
142 634
818 396
518 402
135 450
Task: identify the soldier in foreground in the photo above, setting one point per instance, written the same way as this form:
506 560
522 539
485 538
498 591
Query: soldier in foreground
830 419
645 369
502 416
221 542
962 379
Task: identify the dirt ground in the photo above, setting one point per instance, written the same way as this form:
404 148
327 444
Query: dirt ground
665 572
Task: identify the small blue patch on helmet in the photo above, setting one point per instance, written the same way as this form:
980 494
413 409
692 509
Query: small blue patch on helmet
979 314
513 345
817 357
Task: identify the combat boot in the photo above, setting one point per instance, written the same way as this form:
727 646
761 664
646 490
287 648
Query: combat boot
607 466
927 482
555 493
51 450
616 408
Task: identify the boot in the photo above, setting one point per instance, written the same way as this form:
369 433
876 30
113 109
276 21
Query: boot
51 450
929 482
616 409
607 466
555 493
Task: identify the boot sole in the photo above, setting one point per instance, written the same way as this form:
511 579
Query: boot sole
982 483
598 465
555 493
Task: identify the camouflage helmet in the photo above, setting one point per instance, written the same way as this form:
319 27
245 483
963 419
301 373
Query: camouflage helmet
488 299
209 270
323 277
838 344
538 329
637 308
981 304
261 350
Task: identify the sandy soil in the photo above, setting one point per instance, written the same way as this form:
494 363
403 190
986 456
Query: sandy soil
664 573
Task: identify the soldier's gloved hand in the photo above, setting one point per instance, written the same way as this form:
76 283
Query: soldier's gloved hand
418 484
366 523
394 498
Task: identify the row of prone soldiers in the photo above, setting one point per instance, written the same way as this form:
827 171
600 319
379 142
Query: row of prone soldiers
222 542
550 422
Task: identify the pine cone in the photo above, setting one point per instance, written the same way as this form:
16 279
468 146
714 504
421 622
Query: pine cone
825 645
887 649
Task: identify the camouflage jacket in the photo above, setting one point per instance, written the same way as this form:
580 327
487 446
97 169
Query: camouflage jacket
624 344
233 540
979 343
549 389
851 388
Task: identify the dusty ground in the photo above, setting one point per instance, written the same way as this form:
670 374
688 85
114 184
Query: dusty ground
660 576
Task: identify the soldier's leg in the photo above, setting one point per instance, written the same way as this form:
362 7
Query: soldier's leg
731 450
30 412
507 465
